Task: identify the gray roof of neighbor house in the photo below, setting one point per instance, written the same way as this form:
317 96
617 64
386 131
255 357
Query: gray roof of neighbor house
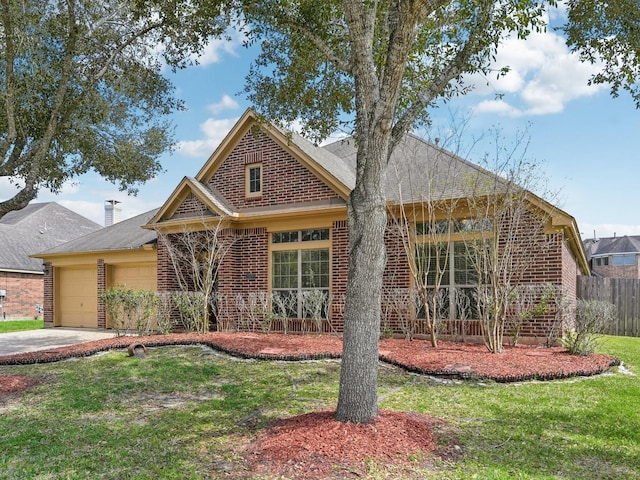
38 227
125 235
612 245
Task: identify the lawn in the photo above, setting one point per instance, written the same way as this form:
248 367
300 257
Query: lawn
20 325
182 413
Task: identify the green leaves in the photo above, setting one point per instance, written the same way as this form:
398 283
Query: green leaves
82 87
607 34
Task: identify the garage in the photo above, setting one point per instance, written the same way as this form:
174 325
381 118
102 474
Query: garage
76 302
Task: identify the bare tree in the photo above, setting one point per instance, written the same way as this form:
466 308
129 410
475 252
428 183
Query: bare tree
510 237
424 218
196 252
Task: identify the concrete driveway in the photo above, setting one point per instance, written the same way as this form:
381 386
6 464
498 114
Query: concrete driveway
48 338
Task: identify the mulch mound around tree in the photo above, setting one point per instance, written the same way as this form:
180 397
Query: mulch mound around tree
315 445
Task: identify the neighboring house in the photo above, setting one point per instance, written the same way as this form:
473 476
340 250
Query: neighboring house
614 257
35 228
283 202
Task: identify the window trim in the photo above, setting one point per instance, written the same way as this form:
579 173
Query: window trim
247 173
298 246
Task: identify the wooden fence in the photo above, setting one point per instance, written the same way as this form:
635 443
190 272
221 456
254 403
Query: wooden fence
623 293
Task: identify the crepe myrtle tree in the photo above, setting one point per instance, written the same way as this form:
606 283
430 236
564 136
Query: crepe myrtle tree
424 219
510 227
382 64
81 87
196 252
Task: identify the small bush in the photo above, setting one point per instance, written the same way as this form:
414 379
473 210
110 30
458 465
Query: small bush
593 318
165 308
130 310
192 307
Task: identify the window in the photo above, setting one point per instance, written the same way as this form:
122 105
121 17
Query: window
254 180
300 272
625 259
459 280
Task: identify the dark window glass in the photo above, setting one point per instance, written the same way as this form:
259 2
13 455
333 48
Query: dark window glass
255 179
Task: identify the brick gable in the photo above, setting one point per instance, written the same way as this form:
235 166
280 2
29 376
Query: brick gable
284 179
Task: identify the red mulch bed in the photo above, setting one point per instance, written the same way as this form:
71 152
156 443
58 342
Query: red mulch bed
315 445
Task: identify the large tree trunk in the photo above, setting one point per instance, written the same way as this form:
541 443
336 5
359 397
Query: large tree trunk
358 396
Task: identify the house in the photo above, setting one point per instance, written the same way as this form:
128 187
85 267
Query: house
35 228
614 257
283 204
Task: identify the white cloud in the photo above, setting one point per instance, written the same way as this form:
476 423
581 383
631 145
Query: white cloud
543 77
214 131
226 103
213 51
7 188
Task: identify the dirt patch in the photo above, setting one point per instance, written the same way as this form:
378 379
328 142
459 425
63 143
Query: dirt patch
12 384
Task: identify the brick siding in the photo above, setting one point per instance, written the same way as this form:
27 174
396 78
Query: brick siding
24 292
284 179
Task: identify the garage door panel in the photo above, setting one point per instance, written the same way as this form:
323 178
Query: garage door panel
136 277
77 297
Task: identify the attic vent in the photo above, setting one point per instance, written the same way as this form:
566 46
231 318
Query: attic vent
252 157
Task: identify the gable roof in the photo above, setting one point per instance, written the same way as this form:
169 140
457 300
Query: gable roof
322 163
125 235
417 171
38 227
612 246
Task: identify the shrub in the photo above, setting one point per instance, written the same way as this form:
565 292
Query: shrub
165 307
130 310
192 307
593 317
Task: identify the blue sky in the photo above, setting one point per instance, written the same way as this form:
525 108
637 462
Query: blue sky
585 141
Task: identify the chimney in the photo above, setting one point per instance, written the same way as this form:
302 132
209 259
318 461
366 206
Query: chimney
112 212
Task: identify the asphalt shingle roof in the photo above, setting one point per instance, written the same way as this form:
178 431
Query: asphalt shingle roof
419 171
38 227
125 235
612 245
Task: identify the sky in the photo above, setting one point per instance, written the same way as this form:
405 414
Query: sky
584 142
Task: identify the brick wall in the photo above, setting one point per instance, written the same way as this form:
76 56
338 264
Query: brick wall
339 269
167 281
24 292
48 295
619 271
191 206
284 179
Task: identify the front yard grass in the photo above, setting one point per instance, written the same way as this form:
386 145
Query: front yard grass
20 325
181 413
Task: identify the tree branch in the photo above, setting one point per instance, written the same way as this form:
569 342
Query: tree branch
455 68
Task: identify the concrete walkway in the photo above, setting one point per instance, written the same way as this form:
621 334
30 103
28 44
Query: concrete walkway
48 338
